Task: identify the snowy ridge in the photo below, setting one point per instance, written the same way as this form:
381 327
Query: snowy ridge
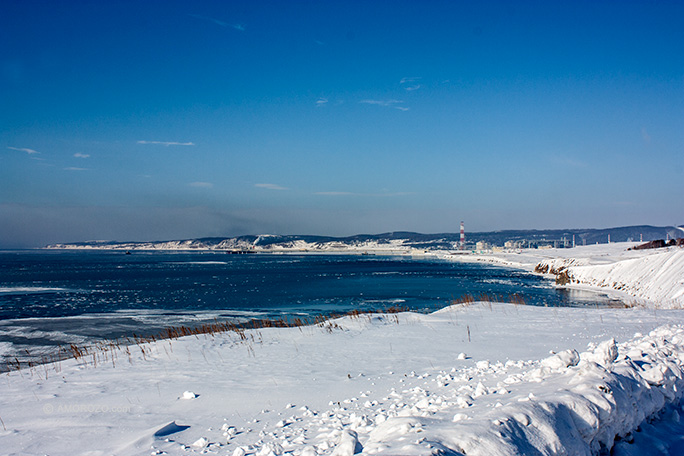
657 277
384 241
256 245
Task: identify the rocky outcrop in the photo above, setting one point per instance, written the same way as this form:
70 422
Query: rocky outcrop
659 243
653 276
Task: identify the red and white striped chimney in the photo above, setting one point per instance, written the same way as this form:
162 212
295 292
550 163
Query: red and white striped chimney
462 243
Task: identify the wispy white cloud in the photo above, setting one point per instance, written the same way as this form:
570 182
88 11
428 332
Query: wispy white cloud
80 155
201 184
389 103
238 27
410 84
409 80
210 19
386 103
167 143
321 101
374 195
336 193
24 149
568 160
73 168
271 187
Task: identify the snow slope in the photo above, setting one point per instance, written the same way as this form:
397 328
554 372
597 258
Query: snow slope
656 276
477 379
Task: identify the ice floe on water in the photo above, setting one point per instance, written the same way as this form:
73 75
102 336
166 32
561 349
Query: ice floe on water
30 290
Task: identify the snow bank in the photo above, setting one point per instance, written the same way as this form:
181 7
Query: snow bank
475 378
585 403
657 277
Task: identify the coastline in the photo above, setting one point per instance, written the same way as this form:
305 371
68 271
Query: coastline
652 278
475 378
577 262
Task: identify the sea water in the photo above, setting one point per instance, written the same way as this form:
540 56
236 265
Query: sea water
53 298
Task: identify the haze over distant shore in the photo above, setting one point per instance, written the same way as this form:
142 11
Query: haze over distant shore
398 240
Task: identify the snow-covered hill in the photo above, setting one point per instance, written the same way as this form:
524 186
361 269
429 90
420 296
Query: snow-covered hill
395 241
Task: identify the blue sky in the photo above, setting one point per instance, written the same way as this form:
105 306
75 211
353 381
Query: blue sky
164 120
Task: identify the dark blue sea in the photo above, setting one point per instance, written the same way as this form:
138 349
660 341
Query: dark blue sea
52 298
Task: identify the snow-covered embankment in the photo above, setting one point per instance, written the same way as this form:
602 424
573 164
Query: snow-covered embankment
577 404
657 277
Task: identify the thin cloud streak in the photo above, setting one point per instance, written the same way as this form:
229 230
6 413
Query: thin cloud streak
374 195
205 18
381 102
567 160
74 168
408 80
80 155
24 149
413 81
238 27
386 104
201 184
271 186
167 143
336 193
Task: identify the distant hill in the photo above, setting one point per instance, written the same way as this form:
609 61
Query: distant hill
398 240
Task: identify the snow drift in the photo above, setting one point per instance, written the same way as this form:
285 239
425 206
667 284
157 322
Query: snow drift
585 403
657 277
472 379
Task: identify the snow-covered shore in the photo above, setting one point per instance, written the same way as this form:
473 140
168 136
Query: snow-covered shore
485 378
655 277
478 378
